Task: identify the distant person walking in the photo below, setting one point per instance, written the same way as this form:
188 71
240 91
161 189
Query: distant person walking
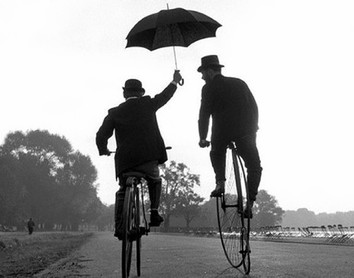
30 226
234 114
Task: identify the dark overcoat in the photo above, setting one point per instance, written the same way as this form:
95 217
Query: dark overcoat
232 107
137 134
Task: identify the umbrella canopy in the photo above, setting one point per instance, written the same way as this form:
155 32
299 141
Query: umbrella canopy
175 27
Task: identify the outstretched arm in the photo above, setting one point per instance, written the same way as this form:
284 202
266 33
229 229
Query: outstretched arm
162 98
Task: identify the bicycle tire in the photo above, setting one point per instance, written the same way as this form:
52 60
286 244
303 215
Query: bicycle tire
127 226
246 222
138 239
229 216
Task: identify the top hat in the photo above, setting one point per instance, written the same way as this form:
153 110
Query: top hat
133 85
210 61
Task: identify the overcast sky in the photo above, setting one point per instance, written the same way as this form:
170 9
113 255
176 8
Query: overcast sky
63 64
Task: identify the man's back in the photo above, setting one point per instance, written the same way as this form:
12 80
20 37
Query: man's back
137 133
232 106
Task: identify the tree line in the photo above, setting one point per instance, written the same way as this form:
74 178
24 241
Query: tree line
43 177
266 213
303 217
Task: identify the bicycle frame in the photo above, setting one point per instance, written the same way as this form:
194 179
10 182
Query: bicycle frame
135 181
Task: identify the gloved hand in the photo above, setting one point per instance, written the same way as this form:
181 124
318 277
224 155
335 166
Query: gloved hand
177 77
105 152
204 143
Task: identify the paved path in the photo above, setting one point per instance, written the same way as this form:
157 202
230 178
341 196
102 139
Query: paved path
183 256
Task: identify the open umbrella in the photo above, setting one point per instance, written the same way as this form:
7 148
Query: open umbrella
175 27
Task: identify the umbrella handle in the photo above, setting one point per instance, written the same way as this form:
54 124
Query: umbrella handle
181 81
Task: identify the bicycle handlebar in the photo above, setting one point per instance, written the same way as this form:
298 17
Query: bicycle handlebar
167 148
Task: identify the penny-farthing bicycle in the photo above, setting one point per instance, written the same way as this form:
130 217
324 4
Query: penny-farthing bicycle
234 227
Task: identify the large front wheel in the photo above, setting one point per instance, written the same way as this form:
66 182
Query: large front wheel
137 227
230 226
128 220
242 187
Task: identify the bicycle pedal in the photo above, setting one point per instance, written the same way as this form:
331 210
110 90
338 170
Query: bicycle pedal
157 224
144 231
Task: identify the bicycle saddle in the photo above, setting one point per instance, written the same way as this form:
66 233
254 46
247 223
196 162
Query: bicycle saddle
138 175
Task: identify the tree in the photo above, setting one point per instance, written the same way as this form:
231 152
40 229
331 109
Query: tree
177 197
31 160
11 191
189 206
266 211
78 192
42 177
300 218
105 218
208 216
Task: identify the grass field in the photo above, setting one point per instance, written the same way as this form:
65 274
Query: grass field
23 255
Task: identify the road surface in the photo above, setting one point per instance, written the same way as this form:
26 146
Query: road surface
186 256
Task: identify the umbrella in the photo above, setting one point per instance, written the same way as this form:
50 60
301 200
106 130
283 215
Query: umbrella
175 27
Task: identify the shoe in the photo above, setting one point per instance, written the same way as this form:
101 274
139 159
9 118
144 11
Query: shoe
219 189
119 234
155 219
248 213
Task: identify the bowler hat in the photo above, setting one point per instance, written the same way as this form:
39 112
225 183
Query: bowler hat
210 61
133 85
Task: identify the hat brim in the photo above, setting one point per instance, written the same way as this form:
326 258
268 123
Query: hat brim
209 66
140 90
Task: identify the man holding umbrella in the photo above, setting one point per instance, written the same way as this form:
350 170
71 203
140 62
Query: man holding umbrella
140 146
234 111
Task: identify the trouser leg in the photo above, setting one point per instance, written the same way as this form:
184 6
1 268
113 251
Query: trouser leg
118 211
155 187
218 160
247 149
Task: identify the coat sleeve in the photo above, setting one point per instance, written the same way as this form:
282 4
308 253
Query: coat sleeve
103 134
204 113
161 99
